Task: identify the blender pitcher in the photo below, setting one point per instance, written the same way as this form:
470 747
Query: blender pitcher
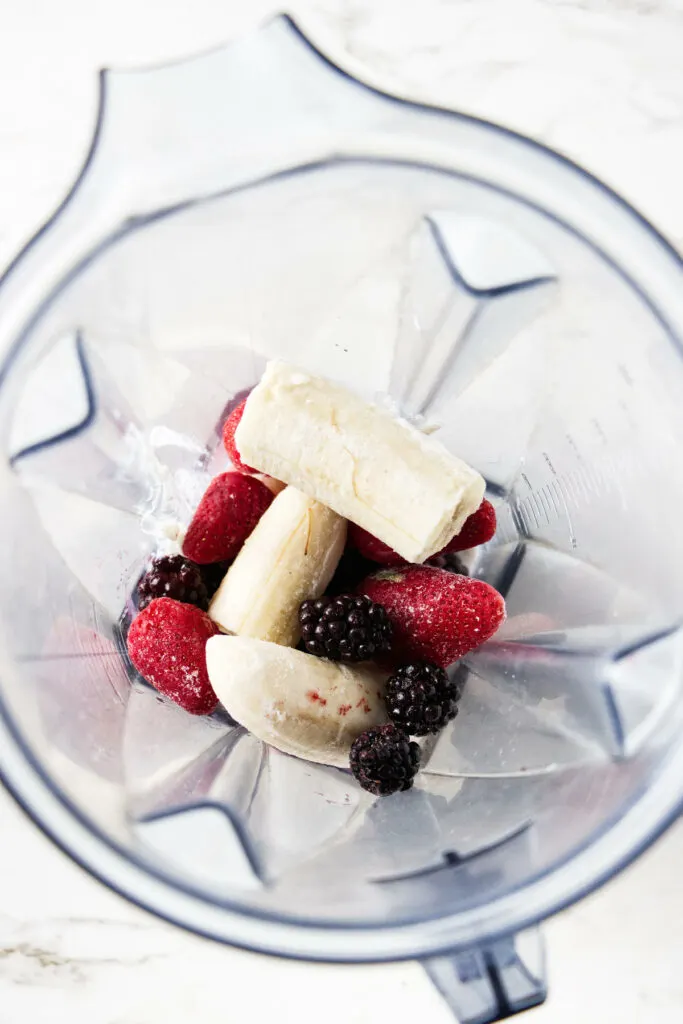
258 201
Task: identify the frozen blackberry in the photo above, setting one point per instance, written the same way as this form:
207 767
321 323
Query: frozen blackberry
345 628
383 760
420 698
451 561
176 577
212 575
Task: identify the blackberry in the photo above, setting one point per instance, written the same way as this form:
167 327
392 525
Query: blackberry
345 628
451 561
383 760
212 575
176 577
420 698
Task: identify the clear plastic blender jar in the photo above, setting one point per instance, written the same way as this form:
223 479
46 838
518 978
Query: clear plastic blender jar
257 202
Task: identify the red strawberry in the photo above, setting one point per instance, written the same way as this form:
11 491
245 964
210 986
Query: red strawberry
437 616
229 428
230 509
167 643
477 529
372 548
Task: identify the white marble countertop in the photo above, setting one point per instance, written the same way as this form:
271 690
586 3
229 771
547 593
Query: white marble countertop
601 80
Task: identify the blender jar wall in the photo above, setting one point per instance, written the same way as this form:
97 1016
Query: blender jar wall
558 381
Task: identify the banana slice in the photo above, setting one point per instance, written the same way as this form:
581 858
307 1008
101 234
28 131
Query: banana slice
289 557
370 467
296 702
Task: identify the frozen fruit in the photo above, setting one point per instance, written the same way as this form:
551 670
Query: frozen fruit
176 577
372 548
383 760
229 510
477 529
437 615
358 459
229 428
420 698
167 645
305 706
289 557
345 628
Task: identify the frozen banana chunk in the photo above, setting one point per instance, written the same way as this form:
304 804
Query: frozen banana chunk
290 556
357 458
301 704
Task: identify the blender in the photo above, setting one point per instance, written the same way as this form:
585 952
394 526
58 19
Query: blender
259 202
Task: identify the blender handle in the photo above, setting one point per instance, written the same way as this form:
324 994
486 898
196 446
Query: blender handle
494 981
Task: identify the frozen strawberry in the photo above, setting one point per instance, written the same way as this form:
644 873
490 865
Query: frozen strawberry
372 548
166 643
230 509
436 615
229 428
477 529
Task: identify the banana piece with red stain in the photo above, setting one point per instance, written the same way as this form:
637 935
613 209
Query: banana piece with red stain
303 705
